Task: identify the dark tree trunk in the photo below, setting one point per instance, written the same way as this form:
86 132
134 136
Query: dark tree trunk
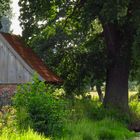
116 94
99 91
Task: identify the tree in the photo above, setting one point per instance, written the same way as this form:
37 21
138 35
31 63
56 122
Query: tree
120 24
76 62
4 9
6 23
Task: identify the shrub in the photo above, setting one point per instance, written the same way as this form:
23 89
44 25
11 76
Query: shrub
38 108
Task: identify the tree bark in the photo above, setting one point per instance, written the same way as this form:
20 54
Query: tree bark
99 91
116 94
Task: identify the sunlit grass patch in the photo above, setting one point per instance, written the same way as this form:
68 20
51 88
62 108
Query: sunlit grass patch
106 129
27 135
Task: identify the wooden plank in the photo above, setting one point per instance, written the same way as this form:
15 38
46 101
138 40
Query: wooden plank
1 62
19 72
4 64
11 68
27 76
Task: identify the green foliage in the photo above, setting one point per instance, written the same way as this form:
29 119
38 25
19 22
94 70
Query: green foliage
72 14
4 7
106 135
63 44
39 109
7 119
26 135
97 130
135 108
68 24
94 110
88 120
9 127
78 66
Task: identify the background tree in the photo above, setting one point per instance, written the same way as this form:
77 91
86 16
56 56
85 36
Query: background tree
72 58
4 8
6 23
120 26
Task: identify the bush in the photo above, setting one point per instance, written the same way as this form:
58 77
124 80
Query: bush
38 108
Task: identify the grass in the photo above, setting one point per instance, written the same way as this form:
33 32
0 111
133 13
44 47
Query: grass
27 135
96 123
106 129
85 129
91 126
89 121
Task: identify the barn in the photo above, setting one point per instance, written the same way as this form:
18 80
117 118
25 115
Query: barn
18 63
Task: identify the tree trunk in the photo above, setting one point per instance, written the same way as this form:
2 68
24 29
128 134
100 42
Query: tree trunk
116 94
99 91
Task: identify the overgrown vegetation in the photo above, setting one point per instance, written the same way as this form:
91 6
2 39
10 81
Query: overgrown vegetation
9 128
38 113
37 107
87 43
26 135
94 110
106 129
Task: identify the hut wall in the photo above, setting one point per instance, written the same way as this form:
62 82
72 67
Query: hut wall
6 92
11 69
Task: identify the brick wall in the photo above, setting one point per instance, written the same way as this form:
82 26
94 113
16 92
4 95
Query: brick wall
6 92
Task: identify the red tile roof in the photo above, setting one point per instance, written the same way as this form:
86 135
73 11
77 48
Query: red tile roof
31 58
